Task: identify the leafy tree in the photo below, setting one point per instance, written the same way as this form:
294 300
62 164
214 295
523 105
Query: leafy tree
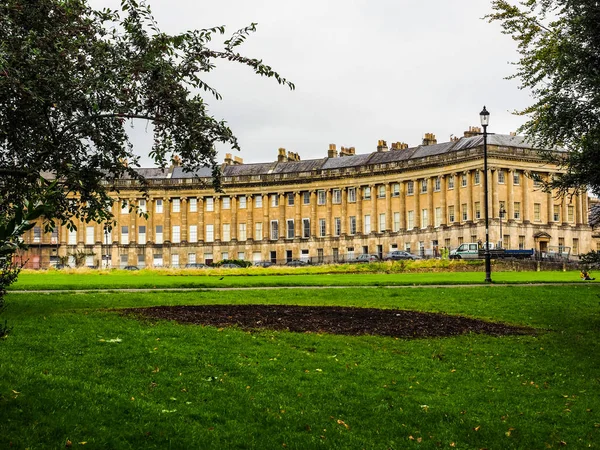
71 77
71 80
559 48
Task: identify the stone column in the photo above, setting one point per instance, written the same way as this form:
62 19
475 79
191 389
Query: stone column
417 195
550 203
443 202
495 205
329 216
297 215
250 217
388 208
431 213
282 217
579 208
457 206
184 220
313 213
402 205
469 196
266 218
133 222
234 221
217 216
526 196
167 221
359 210
565 209
374 218
510 196
201 230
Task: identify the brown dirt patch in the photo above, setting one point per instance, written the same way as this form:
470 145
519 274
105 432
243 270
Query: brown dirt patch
325 319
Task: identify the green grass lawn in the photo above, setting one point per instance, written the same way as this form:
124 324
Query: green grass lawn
260 277
73 369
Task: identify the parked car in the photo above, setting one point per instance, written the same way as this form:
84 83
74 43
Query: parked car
296 263
131 268
398 255
62 266
263 264
365 258
230 266
196 266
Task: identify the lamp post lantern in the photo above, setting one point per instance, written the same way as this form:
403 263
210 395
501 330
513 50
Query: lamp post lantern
484 115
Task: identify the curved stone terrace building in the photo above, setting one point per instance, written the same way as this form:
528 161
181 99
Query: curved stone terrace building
420 199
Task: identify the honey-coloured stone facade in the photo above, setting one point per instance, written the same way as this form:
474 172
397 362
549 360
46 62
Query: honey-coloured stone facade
421 199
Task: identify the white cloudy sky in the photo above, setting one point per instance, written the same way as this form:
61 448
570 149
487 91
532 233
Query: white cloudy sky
364 70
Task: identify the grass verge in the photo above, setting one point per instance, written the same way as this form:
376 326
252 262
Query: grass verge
72 369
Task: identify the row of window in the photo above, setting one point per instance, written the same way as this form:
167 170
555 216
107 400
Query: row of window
321 195
305 231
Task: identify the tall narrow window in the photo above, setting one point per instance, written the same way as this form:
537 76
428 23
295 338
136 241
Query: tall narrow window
381 191
423 185
142 205
396 190
226 232
176 234
258 201
158 206
124 235
141 237
176 205
352 224
478 210
465 212
437 184
351 195
501 179
320 197
451 216
193 237
290 229
424 218
274 230
305 228
477 177
516 178
290 199
337 196
556 213
382 222
37 234
274 200
258 231
322 228
241 232
410 220
306 197
451 182
337 226
89 236
438 217
226 201
410 188
210 203
194 206
367 224
366 193
210 233
537 212
396 221
158 234
517 210
242 202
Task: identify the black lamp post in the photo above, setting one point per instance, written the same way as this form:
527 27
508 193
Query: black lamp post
485 121
501 212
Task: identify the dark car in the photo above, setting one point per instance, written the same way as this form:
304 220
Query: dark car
62 266
230 266
296 263
131 268
196 266
398 255
263 264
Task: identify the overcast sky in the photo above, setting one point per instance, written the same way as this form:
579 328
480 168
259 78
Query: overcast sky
363 70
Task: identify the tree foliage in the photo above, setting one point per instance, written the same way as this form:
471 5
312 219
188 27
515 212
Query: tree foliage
559 48
72 78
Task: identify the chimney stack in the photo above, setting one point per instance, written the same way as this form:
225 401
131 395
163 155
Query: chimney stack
429 139
399 145
347 151
332 152
281 155
237 161
473 131
382 146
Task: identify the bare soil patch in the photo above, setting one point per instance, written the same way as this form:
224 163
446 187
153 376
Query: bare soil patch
326 319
